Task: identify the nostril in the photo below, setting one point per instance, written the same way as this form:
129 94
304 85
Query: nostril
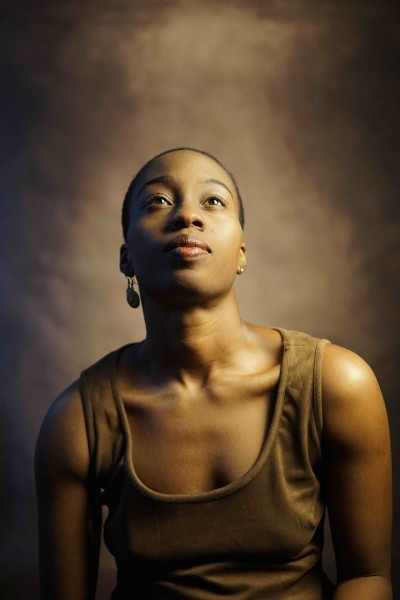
178 221
183 219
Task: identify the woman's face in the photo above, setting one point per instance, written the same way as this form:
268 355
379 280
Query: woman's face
184 237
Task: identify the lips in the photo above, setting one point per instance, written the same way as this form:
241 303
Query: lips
186 245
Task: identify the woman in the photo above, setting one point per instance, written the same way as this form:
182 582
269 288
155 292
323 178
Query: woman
215 444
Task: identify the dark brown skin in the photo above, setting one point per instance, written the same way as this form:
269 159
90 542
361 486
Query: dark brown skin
202 383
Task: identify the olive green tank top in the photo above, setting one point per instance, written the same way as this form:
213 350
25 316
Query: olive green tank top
257 538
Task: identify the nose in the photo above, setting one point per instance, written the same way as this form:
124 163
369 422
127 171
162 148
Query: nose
185 216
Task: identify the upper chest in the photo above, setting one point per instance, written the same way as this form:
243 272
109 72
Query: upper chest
193 441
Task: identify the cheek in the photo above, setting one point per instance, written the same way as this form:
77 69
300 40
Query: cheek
138 237
229 253
232 239
145 250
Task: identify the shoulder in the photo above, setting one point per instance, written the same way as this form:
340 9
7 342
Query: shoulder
345 373
62 446
353 406
103 365
357 470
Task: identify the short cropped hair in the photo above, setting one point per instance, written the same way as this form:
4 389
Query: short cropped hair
129 193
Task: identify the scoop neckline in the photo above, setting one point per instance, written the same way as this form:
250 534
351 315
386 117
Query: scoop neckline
216 493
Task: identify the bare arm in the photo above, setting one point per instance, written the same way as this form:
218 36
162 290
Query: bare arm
357 444
68 509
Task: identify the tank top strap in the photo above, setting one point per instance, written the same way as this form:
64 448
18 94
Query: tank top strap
104 431
304 379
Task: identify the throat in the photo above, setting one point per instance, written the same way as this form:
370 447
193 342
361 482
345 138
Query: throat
194 335
191 354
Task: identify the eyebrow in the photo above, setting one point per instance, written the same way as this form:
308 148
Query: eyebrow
216 181
159 179
169 179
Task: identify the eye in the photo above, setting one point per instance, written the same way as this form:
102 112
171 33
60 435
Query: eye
158 199
215 201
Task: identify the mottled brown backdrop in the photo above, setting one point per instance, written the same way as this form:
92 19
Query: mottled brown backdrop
300 99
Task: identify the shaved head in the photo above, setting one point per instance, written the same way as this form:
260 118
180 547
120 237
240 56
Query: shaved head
131 190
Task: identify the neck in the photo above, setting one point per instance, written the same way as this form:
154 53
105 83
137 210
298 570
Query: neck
187 343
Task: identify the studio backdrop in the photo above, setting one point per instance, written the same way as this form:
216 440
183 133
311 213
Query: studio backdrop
299 98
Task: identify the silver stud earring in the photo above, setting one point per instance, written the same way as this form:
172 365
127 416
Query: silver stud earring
132 297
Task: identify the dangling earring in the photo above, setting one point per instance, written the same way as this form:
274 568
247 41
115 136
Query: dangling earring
132 297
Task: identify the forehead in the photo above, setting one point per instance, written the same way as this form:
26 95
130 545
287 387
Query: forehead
185 164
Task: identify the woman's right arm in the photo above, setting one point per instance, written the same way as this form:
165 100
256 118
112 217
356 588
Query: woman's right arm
69 513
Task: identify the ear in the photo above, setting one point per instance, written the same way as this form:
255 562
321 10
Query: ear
242 256
124 263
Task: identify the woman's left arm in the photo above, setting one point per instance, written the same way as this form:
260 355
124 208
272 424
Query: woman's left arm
358 475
